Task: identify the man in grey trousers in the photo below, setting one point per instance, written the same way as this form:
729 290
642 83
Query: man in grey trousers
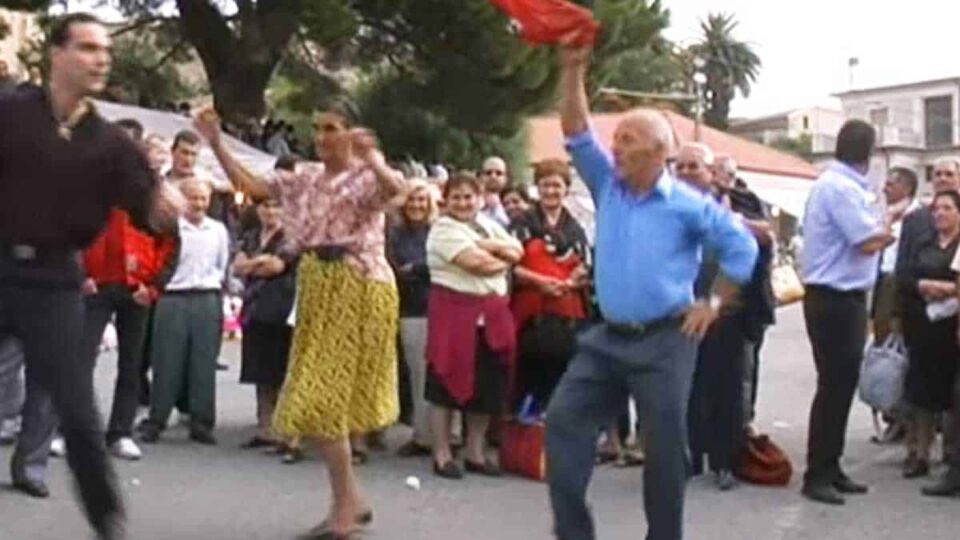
651 231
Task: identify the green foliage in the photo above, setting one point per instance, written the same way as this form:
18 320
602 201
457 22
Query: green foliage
146 68
730 66
801 146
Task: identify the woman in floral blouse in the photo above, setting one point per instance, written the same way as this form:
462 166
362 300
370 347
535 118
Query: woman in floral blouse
342 377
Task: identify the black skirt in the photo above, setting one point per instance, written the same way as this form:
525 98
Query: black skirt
265 350
934 356
489 384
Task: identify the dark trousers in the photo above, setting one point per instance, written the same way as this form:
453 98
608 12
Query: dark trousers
715 417
657 370
131 323
837 326
49 323
186 339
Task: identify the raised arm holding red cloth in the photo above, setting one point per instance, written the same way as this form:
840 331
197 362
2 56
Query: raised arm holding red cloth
548 22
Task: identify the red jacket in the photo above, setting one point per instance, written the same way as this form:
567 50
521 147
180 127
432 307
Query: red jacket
123 254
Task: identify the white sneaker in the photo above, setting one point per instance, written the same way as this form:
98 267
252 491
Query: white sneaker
58 448
126 449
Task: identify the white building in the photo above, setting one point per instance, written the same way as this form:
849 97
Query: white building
820 124
916 123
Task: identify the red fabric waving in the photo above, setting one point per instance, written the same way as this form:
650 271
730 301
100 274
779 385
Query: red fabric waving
545 22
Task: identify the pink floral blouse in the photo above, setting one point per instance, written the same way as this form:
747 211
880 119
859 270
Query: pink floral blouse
346 209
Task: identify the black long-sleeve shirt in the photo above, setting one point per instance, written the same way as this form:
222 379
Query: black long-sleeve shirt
56 193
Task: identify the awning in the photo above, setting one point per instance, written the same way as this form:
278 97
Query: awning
167 125
787 193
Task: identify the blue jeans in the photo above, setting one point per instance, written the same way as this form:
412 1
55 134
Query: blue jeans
657 370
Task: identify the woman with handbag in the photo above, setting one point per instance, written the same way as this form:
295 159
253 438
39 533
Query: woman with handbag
269 283
929 329
549 298
470 332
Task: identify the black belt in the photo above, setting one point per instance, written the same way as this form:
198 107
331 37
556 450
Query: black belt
640 330
191 292
329 253
27 253
855 293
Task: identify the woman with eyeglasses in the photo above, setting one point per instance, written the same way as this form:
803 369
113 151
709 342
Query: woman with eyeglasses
470 338
342 374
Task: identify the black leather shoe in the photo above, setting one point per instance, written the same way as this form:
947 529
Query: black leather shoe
823 493
916 468
487 468
33 488
149 433
448 470
948 486
847 486
203 437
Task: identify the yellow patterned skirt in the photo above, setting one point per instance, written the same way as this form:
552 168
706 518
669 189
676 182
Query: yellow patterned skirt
342 374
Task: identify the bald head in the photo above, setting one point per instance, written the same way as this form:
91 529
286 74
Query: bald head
725 172
641 143
197 193
695 165
494 174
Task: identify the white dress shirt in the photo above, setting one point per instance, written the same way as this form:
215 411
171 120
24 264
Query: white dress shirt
204 255
888 261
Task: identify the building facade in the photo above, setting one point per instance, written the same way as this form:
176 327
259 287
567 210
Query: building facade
818 125
916 123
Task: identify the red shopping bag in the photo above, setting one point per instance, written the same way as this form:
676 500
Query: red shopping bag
522 449
545 22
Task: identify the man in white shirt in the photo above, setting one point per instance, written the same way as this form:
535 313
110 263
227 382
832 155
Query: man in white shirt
187 328
495 178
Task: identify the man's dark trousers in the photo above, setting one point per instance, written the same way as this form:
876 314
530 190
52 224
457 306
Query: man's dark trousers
837 326
716 412
131 324
657 370
48 320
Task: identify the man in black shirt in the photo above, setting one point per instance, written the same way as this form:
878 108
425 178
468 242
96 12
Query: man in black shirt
62 169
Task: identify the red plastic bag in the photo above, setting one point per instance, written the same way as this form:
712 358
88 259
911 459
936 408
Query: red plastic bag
522 449
545 22
764 463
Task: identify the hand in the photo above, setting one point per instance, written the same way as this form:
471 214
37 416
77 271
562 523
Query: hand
207 122
272 266
552 287
89 287
574 56
142 296
366 147
698 319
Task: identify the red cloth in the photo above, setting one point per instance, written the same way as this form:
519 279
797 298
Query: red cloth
451 336
545 22
528 301
124 254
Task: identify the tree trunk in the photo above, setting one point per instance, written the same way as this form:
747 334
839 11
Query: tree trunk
240 59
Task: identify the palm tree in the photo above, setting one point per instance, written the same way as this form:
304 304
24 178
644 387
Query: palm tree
729 65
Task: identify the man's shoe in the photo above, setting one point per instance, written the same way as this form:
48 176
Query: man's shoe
916 468
33 488
203 437
222 367
149 432
948 486
413 449
823 493
125 448
845 485
725 480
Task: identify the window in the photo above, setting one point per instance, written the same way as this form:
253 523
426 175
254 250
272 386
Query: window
880 117
806 123
938 120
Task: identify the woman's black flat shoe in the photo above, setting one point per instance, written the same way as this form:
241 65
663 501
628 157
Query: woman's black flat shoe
258 442
487 468
448 470
413 449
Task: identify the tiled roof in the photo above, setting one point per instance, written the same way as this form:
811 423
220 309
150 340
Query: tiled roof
546 141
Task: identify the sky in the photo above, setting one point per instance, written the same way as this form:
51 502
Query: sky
805 45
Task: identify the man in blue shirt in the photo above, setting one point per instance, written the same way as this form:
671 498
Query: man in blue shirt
651 230
843 235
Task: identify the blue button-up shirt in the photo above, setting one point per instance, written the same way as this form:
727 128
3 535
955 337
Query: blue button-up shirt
648 246
840 216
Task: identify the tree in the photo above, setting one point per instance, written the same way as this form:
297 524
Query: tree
729 65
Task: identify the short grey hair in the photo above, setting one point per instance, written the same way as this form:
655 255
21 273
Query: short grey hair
948 161
654 122
727 164
705 151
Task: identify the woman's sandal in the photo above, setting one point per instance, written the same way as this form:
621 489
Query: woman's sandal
292 455
322 530
359 457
